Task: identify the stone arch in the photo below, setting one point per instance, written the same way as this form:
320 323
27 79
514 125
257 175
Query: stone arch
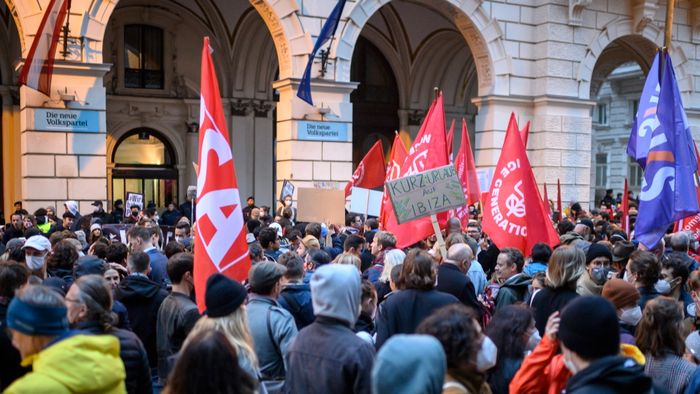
257 65
481 33
171 138
621 28
282 20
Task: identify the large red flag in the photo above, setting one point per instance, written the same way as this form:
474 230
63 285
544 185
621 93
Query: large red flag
513 212
545 201
625 219
370 172
450 139
37 69
219 245
560 215
429 150
466 170
525 133
393 171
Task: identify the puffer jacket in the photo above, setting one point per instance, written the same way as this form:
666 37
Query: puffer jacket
74 364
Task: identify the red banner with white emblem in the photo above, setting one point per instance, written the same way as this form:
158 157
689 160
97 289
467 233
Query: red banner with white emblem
219 244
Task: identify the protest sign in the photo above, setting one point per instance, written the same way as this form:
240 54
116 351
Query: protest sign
321 205
426 193
118 232
287 190
365 201
131 200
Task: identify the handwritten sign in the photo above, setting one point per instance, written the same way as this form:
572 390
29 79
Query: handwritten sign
85 121
426 193
131 200
322 131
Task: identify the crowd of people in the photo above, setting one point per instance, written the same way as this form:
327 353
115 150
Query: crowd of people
338 308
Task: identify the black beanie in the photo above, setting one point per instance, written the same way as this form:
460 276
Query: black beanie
589 327
223 295
598 250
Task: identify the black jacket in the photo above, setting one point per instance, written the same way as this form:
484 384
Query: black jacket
547 301
327 357
404 311
170 218
610 375
296 299
142 298
133 355
10 359
10 233
451 280
177 316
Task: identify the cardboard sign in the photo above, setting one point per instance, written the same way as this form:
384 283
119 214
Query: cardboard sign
287 190
426 193
131 200
321 205
365 201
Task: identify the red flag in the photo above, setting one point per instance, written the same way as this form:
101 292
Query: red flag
370 172
466 170
690 223
38 67
393 170
513 213
220 245
524 133
429 150
450 139
560 215
545 201
625 219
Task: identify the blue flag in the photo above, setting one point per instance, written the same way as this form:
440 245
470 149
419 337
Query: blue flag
668 189
327 31
645 121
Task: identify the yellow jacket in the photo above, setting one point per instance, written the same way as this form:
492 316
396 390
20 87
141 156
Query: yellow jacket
77 364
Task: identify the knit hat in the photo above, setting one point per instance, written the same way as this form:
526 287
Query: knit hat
409 364
620 293
597 250
264 275
89 265
589 327
311 242
95 226
223 295
36 320
622 250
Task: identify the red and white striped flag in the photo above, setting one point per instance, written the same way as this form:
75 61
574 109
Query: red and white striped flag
220 245
38 67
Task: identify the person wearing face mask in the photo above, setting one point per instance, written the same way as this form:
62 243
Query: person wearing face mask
589 336
674 271
625 298
643 270
692 323
513 331
35 250
469 352
598 266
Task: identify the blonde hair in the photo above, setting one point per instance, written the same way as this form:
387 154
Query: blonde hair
565 267
235 327
349 259
392 258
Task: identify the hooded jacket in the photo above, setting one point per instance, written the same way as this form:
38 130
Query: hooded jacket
612 374
142 298
326 356
73 208
409 364
77 364
296 298
514 289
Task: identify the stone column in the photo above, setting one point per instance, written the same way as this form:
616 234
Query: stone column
10 146
490 125
63 139
323 161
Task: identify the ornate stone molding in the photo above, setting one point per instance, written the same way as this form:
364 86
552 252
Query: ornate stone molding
643 12
241 107
576 8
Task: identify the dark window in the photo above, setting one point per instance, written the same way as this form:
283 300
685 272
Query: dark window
143 57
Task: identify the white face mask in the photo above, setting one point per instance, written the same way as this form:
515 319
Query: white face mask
487 356
35 262
534 340
631 316
628 278
662 287
570 365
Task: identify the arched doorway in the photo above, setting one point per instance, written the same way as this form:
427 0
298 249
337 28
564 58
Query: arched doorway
144 162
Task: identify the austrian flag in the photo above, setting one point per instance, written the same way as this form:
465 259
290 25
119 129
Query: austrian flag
220 244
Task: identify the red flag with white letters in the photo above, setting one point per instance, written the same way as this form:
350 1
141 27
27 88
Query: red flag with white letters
219 245
514 216
429 150
466 170
393 170
370 172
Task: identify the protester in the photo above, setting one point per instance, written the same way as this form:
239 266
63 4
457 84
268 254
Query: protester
452 278
364 326
61 362
674 271
680 244
349 259
540 257
270 241
392 258
141 240
598 265
659 338
643 272
170 216
410 364
625 298
382 243
177 314
209 364
272 327
565 267
61 260
89 309
621 253
405 310
13 276
513 283
513 331
469 352
295 295
15 229
329 345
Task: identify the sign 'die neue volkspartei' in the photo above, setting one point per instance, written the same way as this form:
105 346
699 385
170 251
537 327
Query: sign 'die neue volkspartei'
85 121
426 193
322 131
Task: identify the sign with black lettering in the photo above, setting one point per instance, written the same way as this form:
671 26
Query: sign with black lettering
85 121
322 131
426 193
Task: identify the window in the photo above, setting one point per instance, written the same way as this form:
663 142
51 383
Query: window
634 104
602 114
143 57
636 174
601 170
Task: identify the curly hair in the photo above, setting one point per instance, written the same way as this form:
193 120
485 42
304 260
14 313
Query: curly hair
646 266
63 255
456 329
417 271
508 330
659 331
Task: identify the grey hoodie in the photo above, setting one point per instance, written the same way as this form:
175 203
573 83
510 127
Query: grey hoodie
72 207
336 292
409 364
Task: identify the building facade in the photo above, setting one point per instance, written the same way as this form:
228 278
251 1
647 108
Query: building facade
573 68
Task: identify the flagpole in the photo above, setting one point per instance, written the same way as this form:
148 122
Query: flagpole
670 5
